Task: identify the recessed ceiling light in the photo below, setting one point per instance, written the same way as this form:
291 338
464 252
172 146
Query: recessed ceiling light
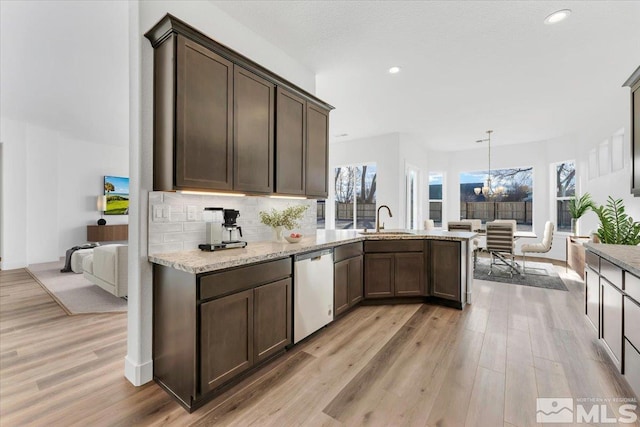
394 70
557 16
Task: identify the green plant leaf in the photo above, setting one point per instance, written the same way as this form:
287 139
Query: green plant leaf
616 227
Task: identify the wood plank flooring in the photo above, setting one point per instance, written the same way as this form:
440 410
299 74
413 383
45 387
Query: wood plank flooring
412 365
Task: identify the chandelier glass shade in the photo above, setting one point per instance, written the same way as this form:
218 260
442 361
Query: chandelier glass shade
487 190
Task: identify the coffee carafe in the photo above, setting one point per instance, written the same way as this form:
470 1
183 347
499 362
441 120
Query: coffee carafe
232 232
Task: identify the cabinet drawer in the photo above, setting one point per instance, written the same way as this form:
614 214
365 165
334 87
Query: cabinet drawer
246 277
611 272
632 367
347 251
632 321
632 286
593 261
393 246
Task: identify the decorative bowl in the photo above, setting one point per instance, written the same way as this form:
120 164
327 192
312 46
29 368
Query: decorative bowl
293 239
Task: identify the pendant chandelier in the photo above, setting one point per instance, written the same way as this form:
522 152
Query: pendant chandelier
487 190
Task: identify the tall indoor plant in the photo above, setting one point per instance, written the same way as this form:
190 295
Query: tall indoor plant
616 227
577 208
279 220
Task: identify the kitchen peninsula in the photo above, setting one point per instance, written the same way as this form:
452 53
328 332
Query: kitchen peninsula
220 315
612 304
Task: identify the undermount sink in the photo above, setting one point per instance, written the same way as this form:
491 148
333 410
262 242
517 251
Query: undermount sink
387 233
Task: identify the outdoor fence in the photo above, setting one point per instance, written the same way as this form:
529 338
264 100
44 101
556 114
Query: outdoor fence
489 211
344 211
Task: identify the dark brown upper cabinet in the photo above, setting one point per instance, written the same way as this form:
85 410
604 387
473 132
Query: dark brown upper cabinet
253 121
217 125
317 182
291 143
634 83
193 91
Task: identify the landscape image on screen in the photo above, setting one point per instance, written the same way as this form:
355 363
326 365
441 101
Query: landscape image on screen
116 188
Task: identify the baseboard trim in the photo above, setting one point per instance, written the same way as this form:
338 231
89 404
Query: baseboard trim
138 374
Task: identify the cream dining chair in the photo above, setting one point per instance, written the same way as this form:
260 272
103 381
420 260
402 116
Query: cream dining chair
539 248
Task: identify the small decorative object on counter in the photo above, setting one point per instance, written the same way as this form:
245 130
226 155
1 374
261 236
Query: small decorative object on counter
293 237
278 220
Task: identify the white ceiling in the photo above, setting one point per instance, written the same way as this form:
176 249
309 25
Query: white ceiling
467 66
65 66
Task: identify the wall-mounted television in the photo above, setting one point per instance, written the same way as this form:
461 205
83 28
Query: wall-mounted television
116 188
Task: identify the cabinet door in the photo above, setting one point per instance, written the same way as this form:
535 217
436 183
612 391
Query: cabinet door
340 287
291 144
317 151
378 272
226 339
253 122
612 318
355 280
445 269
272 310
408 274
203 150
592 296
635 142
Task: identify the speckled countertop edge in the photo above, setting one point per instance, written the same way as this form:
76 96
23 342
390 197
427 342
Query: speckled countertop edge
196 261
624 256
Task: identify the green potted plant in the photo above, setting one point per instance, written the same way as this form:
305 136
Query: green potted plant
577 208
616 227
279 220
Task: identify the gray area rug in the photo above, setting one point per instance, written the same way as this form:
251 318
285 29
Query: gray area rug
538 274
73 292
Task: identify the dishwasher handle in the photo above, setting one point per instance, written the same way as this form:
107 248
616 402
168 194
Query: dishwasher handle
314 256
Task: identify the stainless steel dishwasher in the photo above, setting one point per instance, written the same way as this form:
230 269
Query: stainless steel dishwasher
312 292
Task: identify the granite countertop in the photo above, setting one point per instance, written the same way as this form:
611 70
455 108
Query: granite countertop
197 261
624 256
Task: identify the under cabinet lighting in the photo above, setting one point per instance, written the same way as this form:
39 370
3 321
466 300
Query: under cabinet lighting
288 197
211 193
557 16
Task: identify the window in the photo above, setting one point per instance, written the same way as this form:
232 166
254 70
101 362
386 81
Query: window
506 194
320 215
435 198
565 173
411 220
355 196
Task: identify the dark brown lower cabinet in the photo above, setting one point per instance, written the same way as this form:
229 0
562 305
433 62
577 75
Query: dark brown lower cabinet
226 338
272 318
347 282
408 277
210 328
393 274
445 269
379 274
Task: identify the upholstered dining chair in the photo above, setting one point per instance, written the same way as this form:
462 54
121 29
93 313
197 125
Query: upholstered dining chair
468 225
539 248
501 245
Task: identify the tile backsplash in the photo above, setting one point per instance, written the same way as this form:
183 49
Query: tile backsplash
177 224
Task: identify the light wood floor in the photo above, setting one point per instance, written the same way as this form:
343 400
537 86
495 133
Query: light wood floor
385 365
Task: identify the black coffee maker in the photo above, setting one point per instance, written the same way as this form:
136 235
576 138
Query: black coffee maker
231 231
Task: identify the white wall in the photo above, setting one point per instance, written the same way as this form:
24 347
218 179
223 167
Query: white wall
382 150
64 122
212 21
542 155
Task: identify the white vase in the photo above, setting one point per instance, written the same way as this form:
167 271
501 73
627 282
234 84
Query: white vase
277 233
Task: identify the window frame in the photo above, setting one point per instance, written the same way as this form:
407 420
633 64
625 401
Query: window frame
355 196
556 198
441 200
